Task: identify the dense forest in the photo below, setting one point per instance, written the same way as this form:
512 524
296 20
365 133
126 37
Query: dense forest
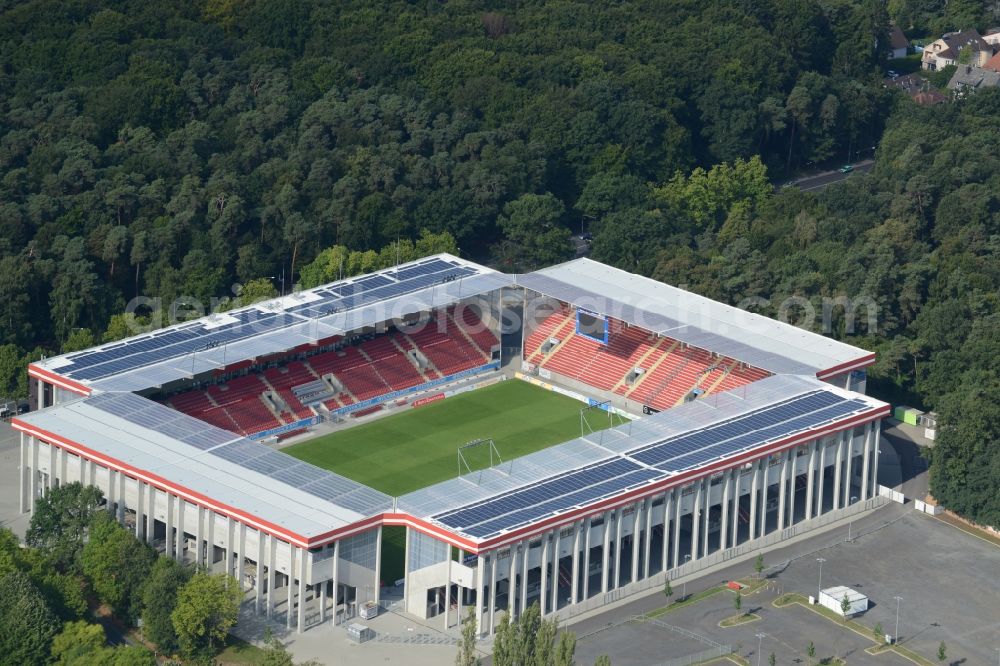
176 149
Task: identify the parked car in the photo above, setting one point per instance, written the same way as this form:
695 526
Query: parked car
847 168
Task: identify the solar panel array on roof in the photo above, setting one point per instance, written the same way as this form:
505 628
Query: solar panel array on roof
639 466
693 449
250 455
564 491
198 336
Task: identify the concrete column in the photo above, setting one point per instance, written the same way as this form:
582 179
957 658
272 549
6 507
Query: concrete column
23 502
199 536
83 471
140 510
810 479
230 545
378 565
695 518
649 538
447 593
259 581
877 427
303 556
322 602
524 575
210 542
848 464
336 579
41 393
52 468
605 560
241 557
754 485
290 585
838 490
677 525
543 596
765 483
151 501
406 574
782 490
821 471
724 518
668 504
865 466
179 540
619 516
272 551
169 533
735 515
494 561
555 569
512 581
586 556
636 541
575 570
33 445
461 590
480 591
707 514
63 476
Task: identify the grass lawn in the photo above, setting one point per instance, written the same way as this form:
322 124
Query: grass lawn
417 447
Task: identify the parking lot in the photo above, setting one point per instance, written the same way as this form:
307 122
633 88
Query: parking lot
946 580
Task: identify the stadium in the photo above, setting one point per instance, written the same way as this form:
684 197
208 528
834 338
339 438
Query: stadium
461 437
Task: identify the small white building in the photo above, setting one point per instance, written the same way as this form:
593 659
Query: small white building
833 598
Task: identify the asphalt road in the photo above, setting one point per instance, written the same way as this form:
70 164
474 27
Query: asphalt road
822 180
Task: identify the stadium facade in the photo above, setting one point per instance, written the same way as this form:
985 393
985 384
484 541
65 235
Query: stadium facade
741 432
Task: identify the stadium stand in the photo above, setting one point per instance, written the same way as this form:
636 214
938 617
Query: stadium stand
371 367
671 371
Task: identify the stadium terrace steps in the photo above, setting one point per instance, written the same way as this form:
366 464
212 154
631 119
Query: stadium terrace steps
479 336
653 356
552 326
727 367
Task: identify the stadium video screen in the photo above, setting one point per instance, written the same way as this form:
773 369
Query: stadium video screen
592 326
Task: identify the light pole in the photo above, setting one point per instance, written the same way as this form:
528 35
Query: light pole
895 637
819 583
760 640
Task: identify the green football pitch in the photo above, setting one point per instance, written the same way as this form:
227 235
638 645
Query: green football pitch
418 447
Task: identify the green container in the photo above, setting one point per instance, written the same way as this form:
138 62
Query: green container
907 414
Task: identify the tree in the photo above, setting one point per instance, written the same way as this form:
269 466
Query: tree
772 660
79 338
738 602
758 564
668 590
27 624
531 223
77 641
565 649
117 565
159 597
845 606
811 651
207 607
603 660
275 654
942 652
503 642
60 521
467 648
879 632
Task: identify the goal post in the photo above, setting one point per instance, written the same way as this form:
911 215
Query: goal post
465 469
597 410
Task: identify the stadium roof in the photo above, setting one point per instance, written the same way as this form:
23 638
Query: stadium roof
503 503
306 317
701 322
235 476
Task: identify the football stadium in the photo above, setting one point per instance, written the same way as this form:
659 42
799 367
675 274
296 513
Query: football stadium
461 438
